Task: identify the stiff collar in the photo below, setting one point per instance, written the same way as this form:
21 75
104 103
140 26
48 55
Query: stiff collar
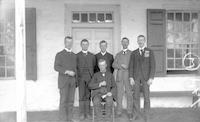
103 53
68 50
84 51
141 48
124 50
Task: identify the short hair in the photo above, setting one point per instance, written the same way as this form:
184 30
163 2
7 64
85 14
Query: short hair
101 61
141 36
84 40
67 37
125 38
102 41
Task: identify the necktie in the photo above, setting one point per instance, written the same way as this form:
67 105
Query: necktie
141 52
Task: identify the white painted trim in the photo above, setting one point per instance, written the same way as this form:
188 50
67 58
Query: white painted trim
69 8
185 6
20 51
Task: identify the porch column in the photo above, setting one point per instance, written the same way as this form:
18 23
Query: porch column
20 52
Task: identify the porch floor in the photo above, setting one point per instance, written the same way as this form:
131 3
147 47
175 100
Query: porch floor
157 115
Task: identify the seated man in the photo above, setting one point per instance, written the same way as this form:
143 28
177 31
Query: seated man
103 88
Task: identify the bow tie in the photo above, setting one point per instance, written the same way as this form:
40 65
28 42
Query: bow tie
84 54
124 52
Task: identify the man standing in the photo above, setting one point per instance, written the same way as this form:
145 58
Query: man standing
103 88
120 65
85 65
65 64
104 55
141 74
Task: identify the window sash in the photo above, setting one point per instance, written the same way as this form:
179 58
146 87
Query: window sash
182 37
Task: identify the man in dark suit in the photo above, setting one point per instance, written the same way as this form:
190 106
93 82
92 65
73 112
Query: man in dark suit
141 74
103 88
65 64
104 55
85 66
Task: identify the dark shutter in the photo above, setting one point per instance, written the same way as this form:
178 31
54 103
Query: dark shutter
156 32
31 48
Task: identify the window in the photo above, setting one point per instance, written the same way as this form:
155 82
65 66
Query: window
7 44
92 17
182 36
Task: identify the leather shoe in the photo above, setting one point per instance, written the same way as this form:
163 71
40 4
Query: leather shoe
130 116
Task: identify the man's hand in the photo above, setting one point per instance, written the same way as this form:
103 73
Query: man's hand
150 81
103 83
70 73
109 94
132 82
124 66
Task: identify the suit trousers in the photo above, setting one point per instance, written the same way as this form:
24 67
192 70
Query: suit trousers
141 86
84 95
98 107
67 100
124 88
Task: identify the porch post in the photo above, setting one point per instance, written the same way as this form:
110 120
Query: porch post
20 52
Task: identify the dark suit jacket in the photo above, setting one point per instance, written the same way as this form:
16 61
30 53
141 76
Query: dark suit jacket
65 61
85 63
110 84
145 63
109 60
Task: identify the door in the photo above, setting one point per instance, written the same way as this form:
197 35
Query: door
94 36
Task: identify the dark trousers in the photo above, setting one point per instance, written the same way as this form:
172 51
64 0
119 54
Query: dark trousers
141 86
67 100
98 106
84 95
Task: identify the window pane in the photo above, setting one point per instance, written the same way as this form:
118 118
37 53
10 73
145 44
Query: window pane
76 17
185 52
178 27
2 40
10 72
195 37
178 16
182 38
194 25
2 72
170 16
84 17
186 17
170 26
178 53
170 63
101 17
2 51
178 63
170 37
10 60
170 53
170 45
9 49
2 61
92 17
194 15
108 17
187 62
194 51
186 27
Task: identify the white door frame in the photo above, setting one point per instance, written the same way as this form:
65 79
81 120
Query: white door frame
69 8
